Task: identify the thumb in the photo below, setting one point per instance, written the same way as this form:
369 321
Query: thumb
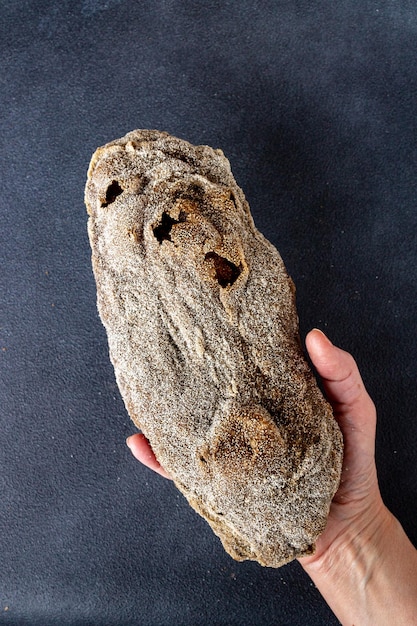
343 385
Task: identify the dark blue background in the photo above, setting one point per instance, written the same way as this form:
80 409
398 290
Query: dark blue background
315 104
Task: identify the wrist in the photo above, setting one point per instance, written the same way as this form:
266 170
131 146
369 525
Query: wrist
345 572
356 545
368 574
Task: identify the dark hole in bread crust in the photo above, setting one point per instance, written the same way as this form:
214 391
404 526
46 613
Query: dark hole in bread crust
113 190
226 271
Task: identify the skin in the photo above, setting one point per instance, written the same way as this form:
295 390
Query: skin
364 565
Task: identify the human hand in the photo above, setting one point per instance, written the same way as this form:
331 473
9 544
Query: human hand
364 564
357 504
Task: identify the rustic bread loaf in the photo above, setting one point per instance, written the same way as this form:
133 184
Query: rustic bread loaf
203 335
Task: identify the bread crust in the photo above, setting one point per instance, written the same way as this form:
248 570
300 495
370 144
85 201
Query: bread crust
203 335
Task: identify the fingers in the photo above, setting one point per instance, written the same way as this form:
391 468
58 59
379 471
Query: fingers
143 452
339 373
345 390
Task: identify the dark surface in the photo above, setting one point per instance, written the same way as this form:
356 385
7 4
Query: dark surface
315 104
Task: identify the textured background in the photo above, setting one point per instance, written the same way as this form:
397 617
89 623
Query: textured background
315 104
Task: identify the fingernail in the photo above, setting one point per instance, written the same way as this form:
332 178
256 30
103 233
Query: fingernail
128 442
325 336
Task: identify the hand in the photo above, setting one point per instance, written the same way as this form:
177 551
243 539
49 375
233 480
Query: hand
364 564
357 504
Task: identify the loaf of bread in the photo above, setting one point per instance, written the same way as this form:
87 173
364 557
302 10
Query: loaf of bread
203 335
